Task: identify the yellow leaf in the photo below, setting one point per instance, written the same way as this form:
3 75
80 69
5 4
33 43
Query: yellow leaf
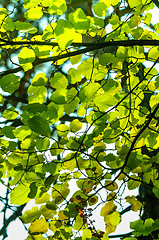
110 228
39 226
108 208
111 186
115 218
135 204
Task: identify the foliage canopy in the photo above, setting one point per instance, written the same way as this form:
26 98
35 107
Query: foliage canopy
79 106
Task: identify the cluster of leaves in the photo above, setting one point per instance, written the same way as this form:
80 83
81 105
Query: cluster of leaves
57 124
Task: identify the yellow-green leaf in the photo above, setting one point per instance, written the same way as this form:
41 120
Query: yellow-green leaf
19 194
10 83
135 204
30 215
75 125
114 218
108 208
39 226
34 13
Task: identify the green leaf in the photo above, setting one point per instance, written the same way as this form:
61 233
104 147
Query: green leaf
34 108
114 19
32 177
39 79
75 125
57 7
100 9
37 94
107 58
56 149
39 226
19 194
79 20
72 101
59 96
8 24
153 53
10 113
78 225
60 192
42 144
39 125
25 27
26 55
75 59
104 101
134 3
1 99
10 83
133 182
43 199
8 131
54 112
89 91
154 100
33 189
155 188
74 76
30 215
58 81
47 213
17 158
64 33
22 132
34 13
62 130
142 228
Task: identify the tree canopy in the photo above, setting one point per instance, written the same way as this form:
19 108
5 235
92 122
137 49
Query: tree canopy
79 117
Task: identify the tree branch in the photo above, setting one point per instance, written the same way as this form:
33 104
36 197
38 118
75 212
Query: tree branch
15 215
124 235
96 44
91 47
156 2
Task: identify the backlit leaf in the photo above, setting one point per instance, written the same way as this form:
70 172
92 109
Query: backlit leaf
135 204
26 55
58 81
114 218
108 208
19 194
30 215
60 192
75 125
10 113
39 226
100 9
64 33
37 94
10 83
62 130
133 183
22 132
79 20
34 13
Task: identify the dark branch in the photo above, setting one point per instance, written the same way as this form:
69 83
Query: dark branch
15 215
91 47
